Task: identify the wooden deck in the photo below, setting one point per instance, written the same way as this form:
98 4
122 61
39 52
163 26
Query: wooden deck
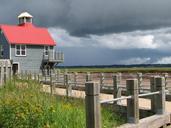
56 57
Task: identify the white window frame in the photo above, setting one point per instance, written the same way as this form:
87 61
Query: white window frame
20 50
46 50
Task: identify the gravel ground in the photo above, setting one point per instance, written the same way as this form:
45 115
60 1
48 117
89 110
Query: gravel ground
143 103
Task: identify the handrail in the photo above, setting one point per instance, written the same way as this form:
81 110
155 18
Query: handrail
129 97
53 56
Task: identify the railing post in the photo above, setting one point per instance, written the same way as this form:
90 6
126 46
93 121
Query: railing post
153 97
166 77
88 77
10 72
48 55
5 72
2 73
133 103
67 85
51 84
30 75
58 75
93 112
26 75
102 80
116 88
45 74
38 77
35 76
21 74
160 98
139 77
75 78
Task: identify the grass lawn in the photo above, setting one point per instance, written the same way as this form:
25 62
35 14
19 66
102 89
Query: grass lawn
128 70
23 105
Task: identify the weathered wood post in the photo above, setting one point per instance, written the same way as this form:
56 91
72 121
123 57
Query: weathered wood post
5 71
38 77
153 97
93 112
133 103
51 84
2 73
58 75
159 84
102 80
67 85
29 75
166 75
10 72
116 88
35 76
45 74
75 78
88 77
26 75
139 77
22 74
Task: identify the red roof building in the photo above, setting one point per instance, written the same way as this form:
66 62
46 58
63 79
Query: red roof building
27 34
30 47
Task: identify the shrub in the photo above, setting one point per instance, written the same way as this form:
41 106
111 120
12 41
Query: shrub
23 105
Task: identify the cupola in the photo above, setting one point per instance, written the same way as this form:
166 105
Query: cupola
25 17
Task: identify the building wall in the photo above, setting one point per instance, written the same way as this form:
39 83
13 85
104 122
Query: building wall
33 59
6 46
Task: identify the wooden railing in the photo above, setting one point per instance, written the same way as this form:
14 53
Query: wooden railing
5 70
133 90
93 103
53 56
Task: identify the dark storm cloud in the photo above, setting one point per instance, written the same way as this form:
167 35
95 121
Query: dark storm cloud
83 17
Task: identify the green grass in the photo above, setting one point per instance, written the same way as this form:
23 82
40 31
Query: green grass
23 105
128 70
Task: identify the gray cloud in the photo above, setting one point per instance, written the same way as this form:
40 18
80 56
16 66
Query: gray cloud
84 17
136 47
101 31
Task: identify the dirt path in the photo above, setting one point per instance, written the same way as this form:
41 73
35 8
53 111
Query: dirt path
143 103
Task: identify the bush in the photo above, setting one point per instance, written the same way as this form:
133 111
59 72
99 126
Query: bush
23 105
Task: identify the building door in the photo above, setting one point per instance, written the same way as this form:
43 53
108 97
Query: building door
15 69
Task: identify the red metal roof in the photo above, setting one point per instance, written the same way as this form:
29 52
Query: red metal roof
27 34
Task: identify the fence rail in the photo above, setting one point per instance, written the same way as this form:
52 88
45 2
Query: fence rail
93 101
116 84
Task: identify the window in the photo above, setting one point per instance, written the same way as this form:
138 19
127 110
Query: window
20 50
46 50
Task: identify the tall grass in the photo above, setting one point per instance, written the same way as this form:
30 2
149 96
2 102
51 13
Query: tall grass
24 105
126 70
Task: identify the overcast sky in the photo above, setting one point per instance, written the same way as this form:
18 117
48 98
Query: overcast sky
96 32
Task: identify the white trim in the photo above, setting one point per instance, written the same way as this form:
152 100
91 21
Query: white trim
10 51
18 66
53 53
21 50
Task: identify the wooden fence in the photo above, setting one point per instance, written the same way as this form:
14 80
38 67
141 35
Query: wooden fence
122 86
158 93
109 83
5 71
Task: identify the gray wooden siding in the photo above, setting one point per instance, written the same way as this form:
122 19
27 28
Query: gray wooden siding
6 46
33 59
